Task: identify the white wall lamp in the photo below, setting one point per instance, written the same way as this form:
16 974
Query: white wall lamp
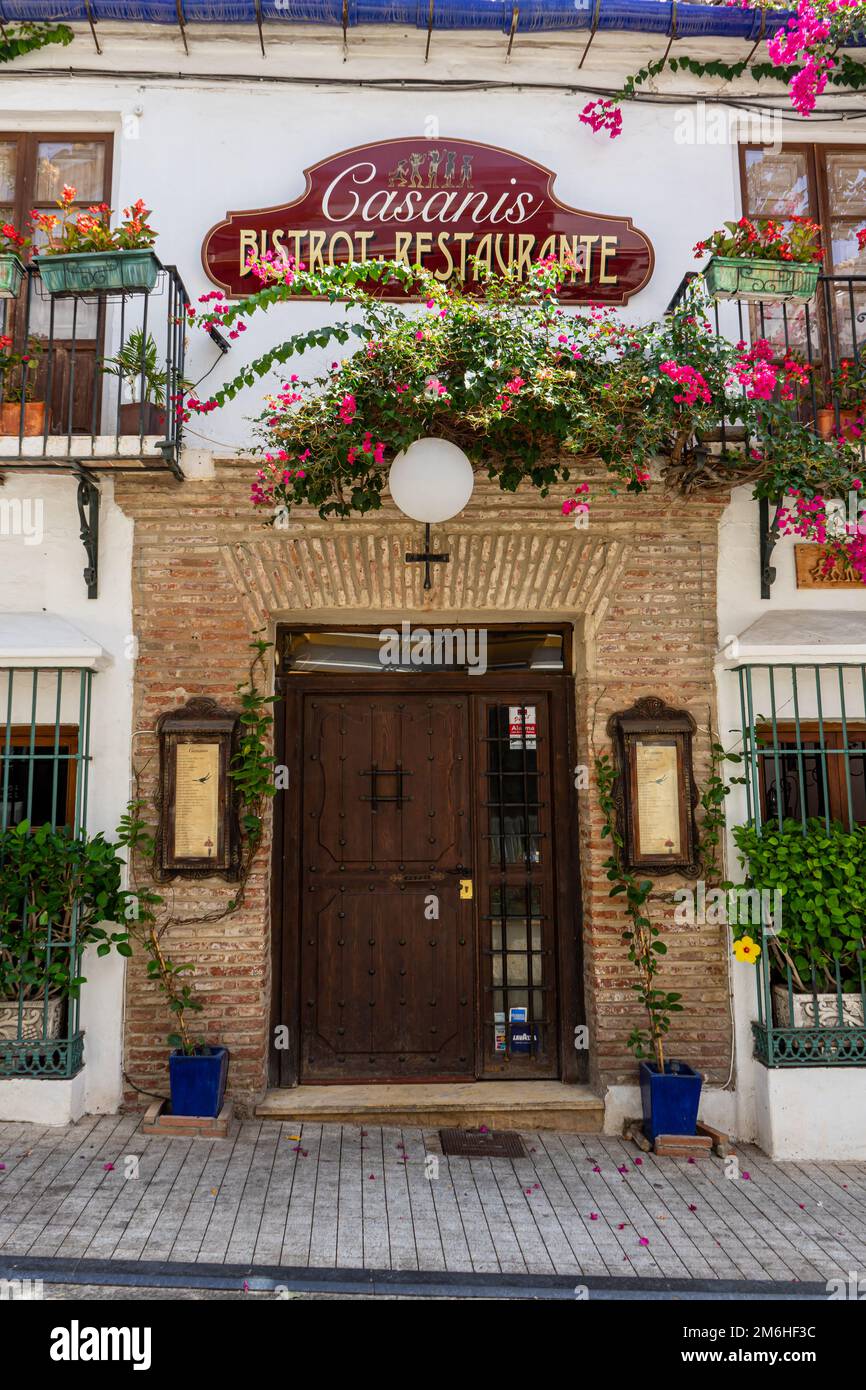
431 481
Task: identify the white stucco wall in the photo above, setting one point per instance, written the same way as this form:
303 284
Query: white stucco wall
45 576
222 128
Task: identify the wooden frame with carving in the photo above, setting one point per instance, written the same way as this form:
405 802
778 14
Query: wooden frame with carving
197 744
651 738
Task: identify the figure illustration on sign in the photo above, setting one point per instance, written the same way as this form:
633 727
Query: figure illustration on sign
399 175
450 164
466 171
415 161
434 159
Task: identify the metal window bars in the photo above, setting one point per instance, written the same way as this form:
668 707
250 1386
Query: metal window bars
804 761
44 766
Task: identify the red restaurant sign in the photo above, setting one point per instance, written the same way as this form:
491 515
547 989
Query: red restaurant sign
437 202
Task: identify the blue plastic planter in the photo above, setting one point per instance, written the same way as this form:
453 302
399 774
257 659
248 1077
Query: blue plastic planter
198 1083
670 1101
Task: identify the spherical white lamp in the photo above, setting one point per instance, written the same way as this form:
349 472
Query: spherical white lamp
431 481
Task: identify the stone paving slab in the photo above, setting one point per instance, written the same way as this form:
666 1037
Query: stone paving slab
383 1198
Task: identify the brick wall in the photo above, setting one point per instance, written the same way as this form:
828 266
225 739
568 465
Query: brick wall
640 585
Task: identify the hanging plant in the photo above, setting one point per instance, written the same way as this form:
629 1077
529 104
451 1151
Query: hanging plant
803 52
524 387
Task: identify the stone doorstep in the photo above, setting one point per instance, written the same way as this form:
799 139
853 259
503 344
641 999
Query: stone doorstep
520 1105
158 1120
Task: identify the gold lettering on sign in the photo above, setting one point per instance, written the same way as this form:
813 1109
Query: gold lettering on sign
196 808
658 800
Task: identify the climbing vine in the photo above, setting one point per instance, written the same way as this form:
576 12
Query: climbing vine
642 936
18 39
252 775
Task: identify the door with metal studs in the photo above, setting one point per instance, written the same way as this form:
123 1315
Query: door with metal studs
387 952
427 920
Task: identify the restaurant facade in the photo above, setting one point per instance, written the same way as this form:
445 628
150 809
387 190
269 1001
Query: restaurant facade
429 903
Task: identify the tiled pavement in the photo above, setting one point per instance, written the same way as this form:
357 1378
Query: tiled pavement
343 1197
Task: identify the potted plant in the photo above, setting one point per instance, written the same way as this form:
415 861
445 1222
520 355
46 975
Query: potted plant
55 890
21 412
12 243
670 1090
818 944
82 253
136 365
847 391
760 260
197 1070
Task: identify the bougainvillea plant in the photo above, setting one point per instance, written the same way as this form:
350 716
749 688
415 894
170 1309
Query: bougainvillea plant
524 387
804 52
766 240
90 229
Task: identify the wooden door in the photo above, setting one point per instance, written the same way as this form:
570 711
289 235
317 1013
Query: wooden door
387 942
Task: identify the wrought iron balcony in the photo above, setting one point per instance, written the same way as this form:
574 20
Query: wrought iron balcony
820 334
94 378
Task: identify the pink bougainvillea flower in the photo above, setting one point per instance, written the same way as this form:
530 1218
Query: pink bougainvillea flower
643 1240
108 1167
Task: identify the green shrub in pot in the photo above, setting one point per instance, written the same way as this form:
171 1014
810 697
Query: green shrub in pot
821 875
44 874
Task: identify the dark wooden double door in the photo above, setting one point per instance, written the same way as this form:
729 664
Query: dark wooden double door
429 893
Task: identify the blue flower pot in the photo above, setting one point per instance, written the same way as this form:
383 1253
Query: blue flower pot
198 1082
670 1101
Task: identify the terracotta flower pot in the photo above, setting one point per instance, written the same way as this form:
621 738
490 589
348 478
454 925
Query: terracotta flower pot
34 417
142 419
848 426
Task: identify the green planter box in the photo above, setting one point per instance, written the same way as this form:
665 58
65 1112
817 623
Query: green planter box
11 275
731 277
84 272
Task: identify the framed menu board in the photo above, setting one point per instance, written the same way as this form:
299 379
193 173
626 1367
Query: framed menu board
655 792
198 826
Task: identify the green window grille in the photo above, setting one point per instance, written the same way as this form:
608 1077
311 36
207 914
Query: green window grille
804 762
44 766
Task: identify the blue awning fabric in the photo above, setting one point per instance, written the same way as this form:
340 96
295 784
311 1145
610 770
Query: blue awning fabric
533 16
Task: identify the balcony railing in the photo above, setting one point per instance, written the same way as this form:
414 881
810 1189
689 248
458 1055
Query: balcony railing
103 378
804 766
820 334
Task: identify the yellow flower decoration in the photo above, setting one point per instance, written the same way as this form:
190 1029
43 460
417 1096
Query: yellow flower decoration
746 949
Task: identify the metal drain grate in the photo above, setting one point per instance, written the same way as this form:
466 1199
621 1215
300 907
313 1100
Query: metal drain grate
477 1143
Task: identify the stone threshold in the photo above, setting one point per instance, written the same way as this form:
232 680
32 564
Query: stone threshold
522 1105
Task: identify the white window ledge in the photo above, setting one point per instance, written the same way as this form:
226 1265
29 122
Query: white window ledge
43 639
799 635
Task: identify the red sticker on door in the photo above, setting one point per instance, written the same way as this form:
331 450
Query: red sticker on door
522 726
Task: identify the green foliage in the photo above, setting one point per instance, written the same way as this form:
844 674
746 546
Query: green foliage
55 889
252 767
252 776
821 874
524 388
642 936
18 39
138 357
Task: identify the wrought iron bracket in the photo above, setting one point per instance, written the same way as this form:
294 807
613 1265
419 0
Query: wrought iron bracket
425 557
88 516
768 533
